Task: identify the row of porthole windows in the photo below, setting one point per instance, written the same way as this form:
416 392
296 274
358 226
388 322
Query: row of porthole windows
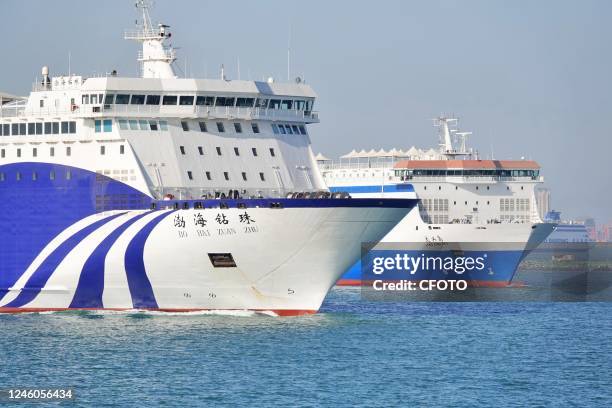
226 176
284 129
37 128
52 150
457 188
220 151
220 127
35 176
140 124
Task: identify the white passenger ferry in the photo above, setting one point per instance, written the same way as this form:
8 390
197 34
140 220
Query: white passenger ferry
482 206
171 193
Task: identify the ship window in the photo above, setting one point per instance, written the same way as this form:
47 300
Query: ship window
68 175
185 126
18 176
244 176
169 100
153 99
226 175
133 124
275 103
109 99
224 101
205 100
85 99
108 125
261 103
163 125
121 149
7 129
218 151
272 153
300 105
15 129
288 129
236 151
39 128
22 129
282 129
262 177
122 99
34 152
68 151
296 131
287 104
18 152
102 150
137 100
3 153
94 99
186 100
302 129
245 102
220 127
238 127
42 103
64 127
34 176
201 150
255 127
190 175
254 150
123 124
153 125
52 175
275 128
143 124
203 127
208 177
182 149
72 127
31 128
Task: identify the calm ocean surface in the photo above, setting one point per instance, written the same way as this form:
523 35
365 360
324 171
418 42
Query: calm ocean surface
353 353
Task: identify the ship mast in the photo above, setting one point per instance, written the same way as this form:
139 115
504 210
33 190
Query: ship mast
446 138
156 57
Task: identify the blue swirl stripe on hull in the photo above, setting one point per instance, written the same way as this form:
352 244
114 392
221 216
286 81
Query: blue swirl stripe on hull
138 281
88 293
42 274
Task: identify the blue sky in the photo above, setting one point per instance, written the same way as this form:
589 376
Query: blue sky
529 78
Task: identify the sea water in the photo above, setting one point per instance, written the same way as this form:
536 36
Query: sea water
353 353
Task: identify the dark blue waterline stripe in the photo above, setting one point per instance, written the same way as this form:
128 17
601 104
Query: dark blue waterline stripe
90 288
138 281
39 278
387 188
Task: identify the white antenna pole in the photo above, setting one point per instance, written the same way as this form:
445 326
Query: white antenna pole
69 68
289 55
239 68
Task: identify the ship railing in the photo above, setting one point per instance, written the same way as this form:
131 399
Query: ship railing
205 112
183 193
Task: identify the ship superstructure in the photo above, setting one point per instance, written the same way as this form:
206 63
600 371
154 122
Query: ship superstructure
170 193
463 198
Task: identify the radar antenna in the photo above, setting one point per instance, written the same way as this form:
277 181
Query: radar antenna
156 58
